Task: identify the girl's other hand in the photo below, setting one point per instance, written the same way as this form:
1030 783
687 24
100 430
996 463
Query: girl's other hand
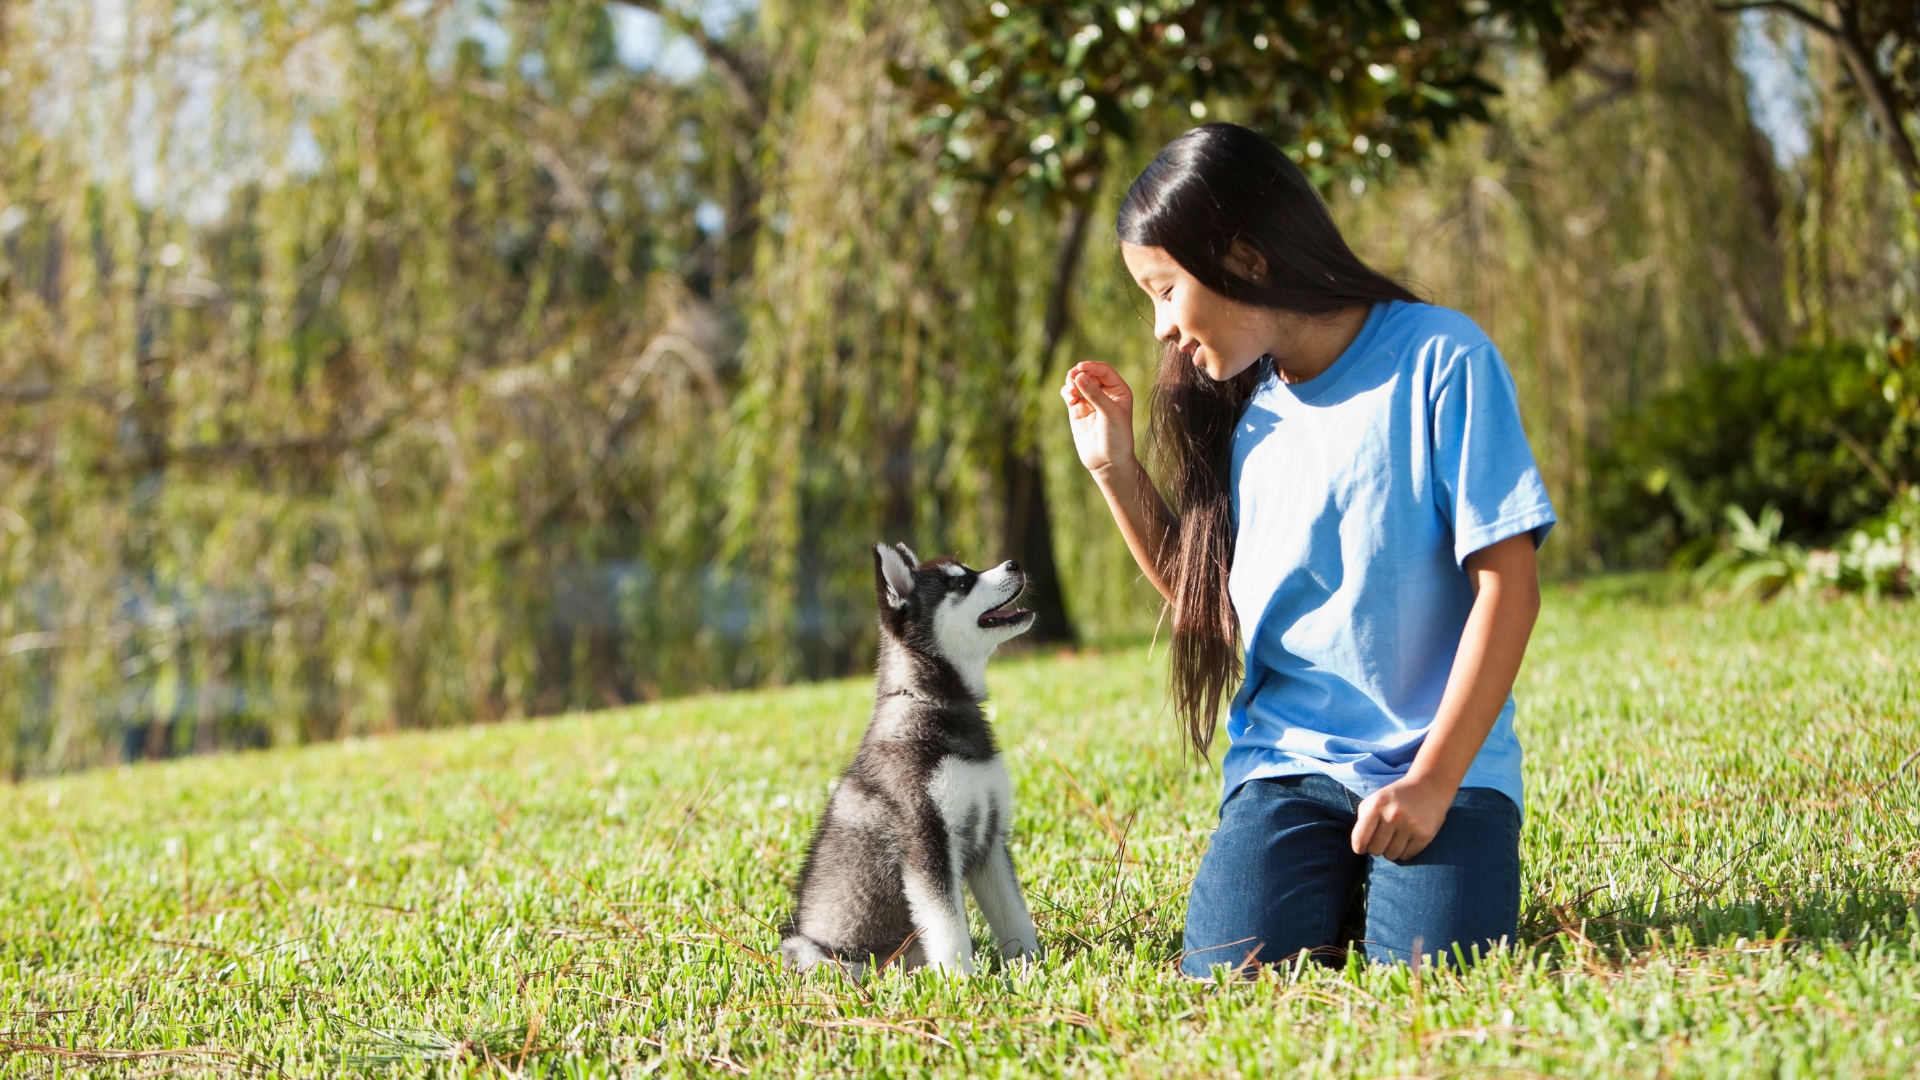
1100 410
1400 820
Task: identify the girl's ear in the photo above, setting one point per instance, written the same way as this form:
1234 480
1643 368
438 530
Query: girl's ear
893 578
1244 262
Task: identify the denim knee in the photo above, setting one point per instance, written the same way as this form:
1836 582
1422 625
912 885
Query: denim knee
1276 877
1460 896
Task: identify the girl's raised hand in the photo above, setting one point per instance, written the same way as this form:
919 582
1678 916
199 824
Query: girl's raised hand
1100 410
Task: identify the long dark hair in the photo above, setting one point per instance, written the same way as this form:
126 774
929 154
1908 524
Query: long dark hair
1211 186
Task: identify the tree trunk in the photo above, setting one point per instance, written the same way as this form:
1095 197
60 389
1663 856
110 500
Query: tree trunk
1029 528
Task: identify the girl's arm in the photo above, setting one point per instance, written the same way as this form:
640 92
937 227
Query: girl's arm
1100 410
1399 820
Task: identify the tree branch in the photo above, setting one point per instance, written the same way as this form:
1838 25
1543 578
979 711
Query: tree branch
1859 57
32 394
740 76
1619 85
213 455
1784 7
1066 270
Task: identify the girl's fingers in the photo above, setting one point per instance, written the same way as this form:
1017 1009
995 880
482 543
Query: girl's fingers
1082 386
1397 848
1103 375
1365 827
1078 406
1094 393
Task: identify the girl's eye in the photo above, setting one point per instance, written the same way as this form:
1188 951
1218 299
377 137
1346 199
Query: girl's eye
1168 295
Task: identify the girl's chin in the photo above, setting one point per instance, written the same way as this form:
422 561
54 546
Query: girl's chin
1214 368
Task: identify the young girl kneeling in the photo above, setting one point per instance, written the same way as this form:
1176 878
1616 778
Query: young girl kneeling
1358 509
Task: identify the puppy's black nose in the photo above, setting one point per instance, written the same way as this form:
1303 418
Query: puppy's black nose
1010 566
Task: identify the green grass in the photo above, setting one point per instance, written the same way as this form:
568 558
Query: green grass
1719 878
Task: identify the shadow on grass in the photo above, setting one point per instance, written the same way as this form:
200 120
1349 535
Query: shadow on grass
375 1048
1591 927
1598 925
1601 592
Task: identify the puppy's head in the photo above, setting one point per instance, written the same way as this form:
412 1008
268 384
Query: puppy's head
941 608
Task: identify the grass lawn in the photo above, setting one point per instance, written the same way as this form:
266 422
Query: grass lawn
1721 866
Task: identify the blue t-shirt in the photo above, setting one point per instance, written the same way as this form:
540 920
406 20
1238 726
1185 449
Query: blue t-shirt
1357 496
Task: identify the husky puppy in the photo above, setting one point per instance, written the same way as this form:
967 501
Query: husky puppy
926 804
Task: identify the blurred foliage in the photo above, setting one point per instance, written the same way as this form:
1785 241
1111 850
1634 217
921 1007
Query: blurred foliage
1808 432
1617 229
376 366
896 267
1878 44
1036 98
382 401
888 342
1881 558
1038 91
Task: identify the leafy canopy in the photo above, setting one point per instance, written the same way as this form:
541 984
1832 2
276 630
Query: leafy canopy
1037 90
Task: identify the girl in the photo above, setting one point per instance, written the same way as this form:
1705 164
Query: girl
1356 505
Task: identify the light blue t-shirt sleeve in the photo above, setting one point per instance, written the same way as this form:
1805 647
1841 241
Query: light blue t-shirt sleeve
1485 481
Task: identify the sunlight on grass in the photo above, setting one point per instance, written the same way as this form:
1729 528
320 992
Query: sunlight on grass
1721 864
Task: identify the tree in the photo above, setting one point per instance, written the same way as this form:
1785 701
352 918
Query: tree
1879 40
1042 96
405 430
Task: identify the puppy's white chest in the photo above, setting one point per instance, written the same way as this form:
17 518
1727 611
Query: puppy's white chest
975 799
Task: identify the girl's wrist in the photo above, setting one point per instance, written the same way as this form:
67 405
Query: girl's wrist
1433 780
1122 473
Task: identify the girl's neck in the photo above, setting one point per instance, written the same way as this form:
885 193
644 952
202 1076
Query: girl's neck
1308 345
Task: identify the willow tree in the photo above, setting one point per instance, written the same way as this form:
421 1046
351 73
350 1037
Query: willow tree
881 321
355 369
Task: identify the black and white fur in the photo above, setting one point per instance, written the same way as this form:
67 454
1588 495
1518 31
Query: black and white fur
926 804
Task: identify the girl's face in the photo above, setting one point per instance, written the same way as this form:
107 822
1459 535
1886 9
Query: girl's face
1218 335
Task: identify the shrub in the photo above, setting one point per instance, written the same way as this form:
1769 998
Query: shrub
1814 433
1881 558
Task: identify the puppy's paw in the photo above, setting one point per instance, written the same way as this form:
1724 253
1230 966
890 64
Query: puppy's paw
951 965
799 953
1021 955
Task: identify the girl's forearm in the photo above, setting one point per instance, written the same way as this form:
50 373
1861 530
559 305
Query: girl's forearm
1506 603
1143 516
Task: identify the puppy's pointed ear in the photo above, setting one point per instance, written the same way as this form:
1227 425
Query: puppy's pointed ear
892 576
913 561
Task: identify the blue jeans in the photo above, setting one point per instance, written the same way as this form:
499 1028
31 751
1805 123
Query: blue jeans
1280 876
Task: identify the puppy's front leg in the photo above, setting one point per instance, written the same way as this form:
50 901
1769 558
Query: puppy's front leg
997 891
940 914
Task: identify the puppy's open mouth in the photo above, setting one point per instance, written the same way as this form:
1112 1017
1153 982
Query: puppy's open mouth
1004 615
